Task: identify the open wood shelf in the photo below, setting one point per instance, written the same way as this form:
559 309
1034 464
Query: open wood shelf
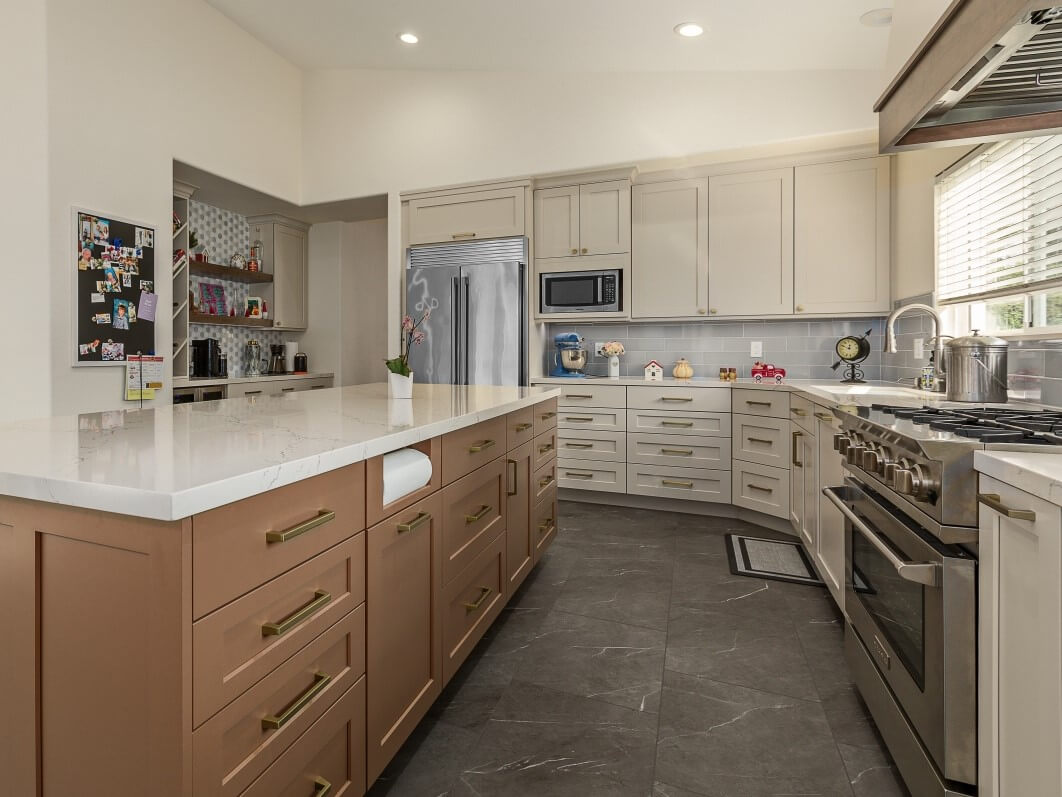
214 271
228 321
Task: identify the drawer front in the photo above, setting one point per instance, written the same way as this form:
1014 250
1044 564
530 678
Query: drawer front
593 419
603 446
763 440
544 522
762 488
545 448
586 474
472 447
715 424
683 399
471 603
592 394
316 384
519 428
473 515
802 413
235 746
545 416
244 641
774 403
690 484
330 754
543 480
232 554
692 452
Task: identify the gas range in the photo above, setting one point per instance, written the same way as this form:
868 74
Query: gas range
921 458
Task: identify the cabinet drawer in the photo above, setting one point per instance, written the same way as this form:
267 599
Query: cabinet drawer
592 394
238 743
763 440
713 424
586 474
472 447
544 522
545 416
245 640
692 452
690 484
241 545
545 448
683 399
603 446
592 419
752 401
331 753
762 488
543 480
520 427
471 603
316 384
802 413
473 515
490 213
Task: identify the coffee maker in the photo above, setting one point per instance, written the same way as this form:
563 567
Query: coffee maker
276 359
206 358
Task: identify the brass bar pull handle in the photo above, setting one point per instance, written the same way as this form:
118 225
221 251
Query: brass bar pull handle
322 517
677 452
480 447
579 396
522 427
760 440
510 477
415 523
571 419
798 411
824 416
574 474
321 787
796 449
676 398
761 489
251 392
992 501
478 602
578 445
545 481
546 527
458 235
278 721
545 448
673 483
677 424
547 415
757 403
482 513
320 599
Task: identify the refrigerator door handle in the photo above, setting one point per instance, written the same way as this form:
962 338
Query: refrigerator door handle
465 291
455 348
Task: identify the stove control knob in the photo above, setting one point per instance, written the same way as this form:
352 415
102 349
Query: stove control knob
854 455
871 460
841 442
912 481
888 472
903 481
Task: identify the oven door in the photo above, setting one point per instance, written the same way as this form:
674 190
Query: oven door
912 602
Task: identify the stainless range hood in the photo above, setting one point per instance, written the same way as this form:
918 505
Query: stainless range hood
989 69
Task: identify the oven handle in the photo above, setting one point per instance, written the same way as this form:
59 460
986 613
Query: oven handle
919 572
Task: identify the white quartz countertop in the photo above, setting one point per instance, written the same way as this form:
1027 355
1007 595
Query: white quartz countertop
1039 474
207 381
171 462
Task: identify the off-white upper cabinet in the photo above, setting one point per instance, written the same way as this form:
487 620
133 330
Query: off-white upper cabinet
466 215
669 249
841 237
285 253
750 260
589 219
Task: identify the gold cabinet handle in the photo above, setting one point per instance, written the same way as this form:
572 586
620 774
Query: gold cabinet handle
585 250
575 251
545 482
278 721
798 411
522 427
574 474
547 415
757 403
578 395
760 440
322 517
321 787
481 447
761 489
678 424
546 527
457 235
673 483
511 463
545 448
578 445
677 452
713 311
993 501
701 311
796 449
824 416
574 419
251 392
800 308
478 602
482 513
676 398
320 599
415 523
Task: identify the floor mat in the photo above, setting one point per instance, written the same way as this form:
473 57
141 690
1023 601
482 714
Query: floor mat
778 560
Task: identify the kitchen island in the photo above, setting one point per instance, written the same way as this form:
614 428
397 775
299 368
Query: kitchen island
215 599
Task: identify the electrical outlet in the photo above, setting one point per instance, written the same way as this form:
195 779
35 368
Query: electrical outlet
919 345
756 349
597 348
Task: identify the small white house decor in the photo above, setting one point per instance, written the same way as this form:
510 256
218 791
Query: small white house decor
654 371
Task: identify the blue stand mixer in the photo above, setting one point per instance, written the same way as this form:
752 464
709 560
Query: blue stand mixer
570 357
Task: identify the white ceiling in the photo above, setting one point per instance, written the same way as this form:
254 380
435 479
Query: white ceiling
566 35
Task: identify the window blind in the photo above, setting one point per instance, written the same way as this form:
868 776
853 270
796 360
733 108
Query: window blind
999 221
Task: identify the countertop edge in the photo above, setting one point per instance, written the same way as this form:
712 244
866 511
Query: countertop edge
1008 467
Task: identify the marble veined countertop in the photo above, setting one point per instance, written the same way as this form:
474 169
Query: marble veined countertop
1039 474
171 462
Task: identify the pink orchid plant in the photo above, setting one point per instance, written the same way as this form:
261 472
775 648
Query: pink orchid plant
412 335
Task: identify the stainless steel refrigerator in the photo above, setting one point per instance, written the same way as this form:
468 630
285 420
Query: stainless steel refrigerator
477 294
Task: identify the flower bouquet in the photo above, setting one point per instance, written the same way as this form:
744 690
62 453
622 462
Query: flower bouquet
613 349
400 378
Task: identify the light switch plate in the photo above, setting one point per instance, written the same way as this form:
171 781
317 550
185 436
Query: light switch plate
756 349
919 346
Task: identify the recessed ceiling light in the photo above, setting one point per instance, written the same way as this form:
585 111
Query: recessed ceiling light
689 30
408 38
877 18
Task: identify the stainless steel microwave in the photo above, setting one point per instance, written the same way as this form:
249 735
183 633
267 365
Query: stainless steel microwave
580 291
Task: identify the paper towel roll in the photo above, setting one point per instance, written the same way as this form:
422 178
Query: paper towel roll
404 471
291 348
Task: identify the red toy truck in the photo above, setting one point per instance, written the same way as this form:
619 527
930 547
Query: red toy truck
761 371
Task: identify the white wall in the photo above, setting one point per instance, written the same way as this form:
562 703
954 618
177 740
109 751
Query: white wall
368 132
365 299
323 340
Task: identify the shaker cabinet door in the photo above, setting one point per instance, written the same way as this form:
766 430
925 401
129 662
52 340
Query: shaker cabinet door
605 218
290 284
557 222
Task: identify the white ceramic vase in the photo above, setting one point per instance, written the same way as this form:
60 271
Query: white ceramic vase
613 367
398 386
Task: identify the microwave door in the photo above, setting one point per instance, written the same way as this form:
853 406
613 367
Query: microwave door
572 293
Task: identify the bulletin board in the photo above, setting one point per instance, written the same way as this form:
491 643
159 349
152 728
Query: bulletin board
114 289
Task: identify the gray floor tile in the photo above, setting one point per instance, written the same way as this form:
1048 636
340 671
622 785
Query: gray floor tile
667 790
428 763
633 591
871 773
